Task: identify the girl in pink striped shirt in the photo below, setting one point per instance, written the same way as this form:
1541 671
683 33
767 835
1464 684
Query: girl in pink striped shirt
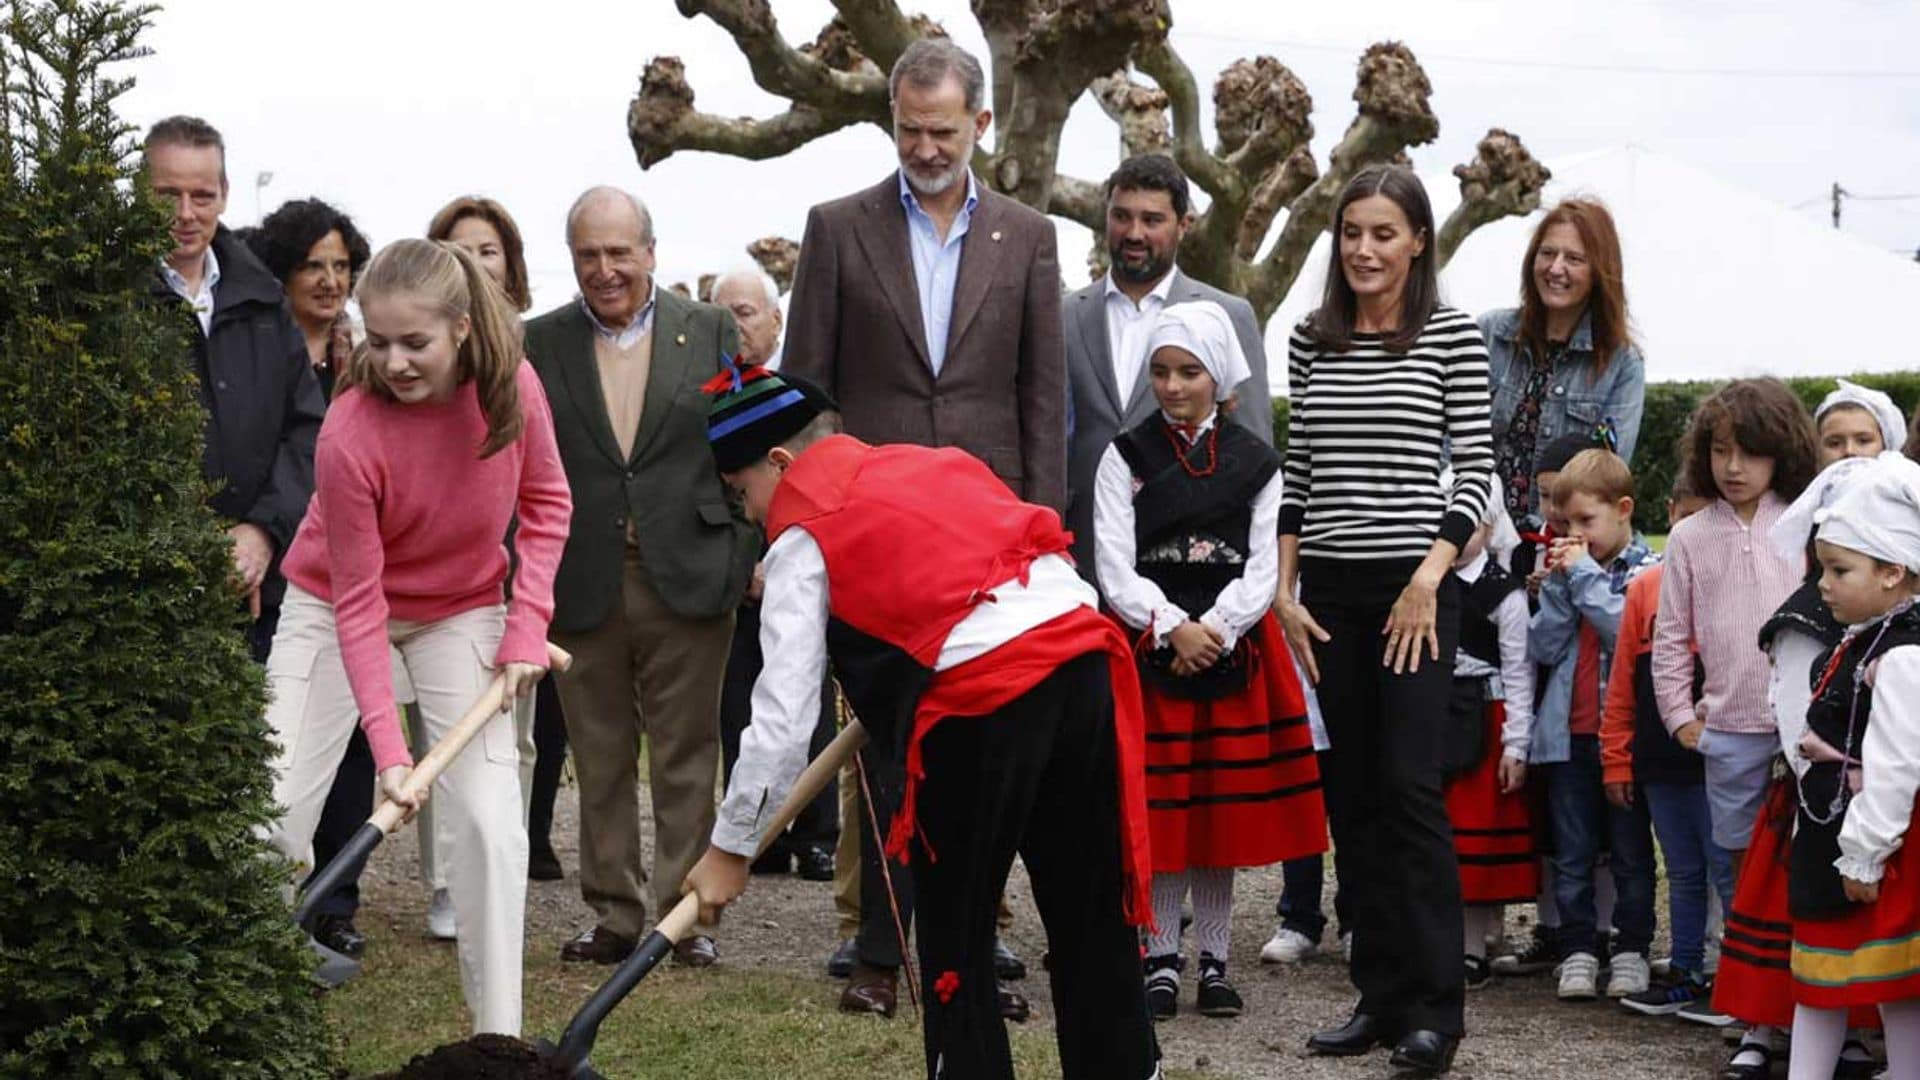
440 437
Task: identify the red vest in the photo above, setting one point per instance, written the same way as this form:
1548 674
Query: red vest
913 540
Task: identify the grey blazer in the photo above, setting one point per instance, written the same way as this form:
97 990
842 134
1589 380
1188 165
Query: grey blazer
1099 411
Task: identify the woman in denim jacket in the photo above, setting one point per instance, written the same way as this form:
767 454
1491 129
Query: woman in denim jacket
1562 361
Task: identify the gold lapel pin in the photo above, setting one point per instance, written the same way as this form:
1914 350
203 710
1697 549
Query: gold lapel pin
996 236
679 339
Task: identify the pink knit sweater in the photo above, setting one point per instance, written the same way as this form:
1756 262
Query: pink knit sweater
408 522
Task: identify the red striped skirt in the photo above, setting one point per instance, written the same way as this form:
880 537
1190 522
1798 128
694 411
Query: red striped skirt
1755 983
1233 781
1870 955
1492 832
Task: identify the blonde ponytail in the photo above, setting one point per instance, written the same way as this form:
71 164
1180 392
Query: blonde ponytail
446 276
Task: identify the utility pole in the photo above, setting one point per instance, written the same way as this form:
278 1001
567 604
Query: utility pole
1838 194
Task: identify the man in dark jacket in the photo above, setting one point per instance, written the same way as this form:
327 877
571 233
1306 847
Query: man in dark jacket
262 400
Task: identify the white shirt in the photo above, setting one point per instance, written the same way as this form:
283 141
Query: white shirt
1514 681
1790 690
202 299
1128 325
1880 818
627 336
936 265
793 639
1138 601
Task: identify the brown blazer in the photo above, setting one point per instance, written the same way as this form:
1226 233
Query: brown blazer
854 327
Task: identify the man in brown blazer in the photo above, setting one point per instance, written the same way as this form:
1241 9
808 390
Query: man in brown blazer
929 307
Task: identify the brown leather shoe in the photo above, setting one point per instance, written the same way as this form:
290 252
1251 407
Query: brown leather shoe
598 946
697 951
870 991
1014 1005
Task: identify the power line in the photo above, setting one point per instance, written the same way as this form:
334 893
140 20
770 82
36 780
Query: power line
1557 65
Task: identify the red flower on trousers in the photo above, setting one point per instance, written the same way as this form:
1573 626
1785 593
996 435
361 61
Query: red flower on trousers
947 985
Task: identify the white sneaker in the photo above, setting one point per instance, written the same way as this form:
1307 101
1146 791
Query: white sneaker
1286 947
1628 975
1579 977
440 917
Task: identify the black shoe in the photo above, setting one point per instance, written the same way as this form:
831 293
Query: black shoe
1014 1005
1749 1061
1006 966
1426 1052
776 861
1860 1066
1163 986
1538 956
1479 973
1217 997
815 863
338 933
544 865
840 964
1355 1037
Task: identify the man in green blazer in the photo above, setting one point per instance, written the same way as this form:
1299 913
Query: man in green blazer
655 565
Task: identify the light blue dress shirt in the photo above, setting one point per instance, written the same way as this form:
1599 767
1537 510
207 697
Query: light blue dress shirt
936 265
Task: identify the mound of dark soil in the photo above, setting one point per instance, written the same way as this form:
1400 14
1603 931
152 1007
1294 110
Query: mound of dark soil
483 1057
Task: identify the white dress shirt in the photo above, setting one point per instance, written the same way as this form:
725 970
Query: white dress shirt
201 298
626 336
1880 817
1128 325
1513 682
793 639
1138 601
1790 689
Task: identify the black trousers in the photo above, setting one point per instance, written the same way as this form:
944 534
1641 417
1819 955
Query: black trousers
549 755
1038 778
878 941
1392 843
819 824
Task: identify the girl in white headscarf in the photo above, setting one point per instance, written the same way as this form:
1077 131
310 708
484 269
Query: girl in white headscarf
1186 533
1857 421
1855 882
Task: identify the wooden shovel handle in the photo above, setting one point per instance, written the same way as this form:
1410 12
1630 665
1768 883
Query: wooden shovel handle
813 780
389 814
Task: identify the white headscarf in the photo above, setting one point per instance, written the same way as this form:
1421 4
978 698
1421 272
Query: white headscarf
1791 530
1202 328
1878 513
1893 426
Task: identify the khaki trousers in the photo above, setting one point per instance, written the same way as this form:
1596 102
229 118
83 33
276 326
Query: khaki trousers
643 673
433 867
312 715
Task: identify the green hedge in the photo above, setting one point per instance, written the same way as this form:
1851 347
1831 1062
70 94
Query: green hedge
1668 406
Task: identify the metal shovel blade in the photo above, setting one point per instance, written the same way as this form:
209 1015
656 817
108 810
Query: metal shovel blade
335 967
582 1071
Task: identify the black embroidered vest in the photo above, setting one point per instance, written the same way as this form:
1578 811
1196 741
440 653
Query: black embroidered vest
1840 714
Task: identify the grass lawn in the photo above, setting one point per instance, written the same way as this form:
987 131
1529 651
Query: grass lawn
722 1024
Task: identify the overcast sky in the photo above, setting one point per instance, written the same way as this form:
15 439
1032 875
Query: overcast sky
389 109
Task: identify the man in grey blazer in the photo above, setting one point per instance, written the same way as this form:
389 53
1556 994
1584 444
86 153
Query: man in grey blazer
1107 323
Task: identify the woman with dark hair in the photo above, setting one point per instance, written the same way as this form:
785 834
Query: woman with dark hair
1564 361
317 254
488 232
1384 379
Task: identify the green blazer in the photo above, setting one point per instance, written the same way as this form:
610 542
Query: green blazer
697 547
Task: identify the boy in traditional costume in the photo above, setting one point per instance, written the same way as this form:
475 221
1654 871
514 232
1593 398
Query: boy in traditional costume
967 644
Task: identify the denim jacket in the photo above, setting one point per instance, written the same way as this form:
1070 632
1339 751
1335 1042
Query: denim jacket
1586 593
1576 398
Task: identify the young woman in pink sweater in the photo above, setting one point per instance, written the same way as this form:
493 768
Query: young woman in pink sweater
439 439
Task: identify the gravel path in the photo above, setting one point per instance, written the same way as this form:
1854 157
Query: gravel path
1516 1028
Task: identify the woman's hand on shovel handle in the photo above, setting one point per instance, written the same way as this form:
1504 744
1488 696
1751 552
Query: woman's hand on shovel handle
717 879
393 788
521 679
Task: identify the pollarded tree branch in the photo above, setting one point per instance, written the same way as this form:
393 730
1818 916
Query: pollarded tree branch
882 30
1281 187
1392 94
1502 180
1079 200
1165 66
1138 110
662 120
781 69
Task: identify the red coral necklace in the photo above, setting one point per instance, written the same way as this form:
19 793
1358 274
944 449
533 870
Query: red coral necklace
1185 454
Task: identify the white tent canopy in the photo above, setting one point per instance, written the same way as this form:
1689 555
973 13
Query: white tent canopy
1721 282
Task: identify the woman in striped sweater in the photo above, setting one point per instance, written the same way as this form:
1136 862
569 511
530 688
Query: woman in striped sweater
1386 383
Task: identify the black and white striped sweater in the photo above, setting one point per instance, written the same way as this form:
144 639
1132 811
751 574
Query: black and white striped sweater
1369 433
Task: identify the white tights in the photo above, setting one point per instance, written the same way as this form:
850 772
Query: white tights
1819 1033
1212 910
